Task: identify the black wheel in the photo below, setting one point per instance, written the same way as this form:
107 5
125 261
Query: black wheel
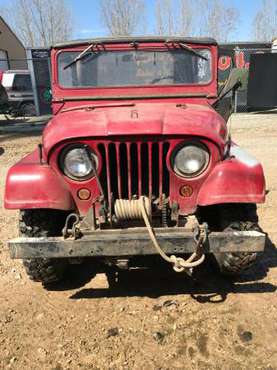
28 109
237 217
236 263
42 222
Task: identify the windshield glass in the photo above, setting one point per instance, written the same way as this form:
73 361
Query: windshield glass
134 68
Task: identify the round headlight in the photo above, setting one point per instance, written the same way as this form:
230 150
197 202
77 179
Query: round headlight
191 160
77 163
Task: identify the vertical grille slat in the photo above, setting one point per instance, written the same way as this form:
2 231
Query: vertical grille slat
139 170
165 178
118 170
150 169
123 170
155 169
103 174
113 170
128 146
134 169
144 169
108 169
161 170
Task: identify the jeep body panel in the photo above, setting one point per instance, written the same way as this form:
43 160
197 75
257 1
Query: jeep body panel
139 119
238 179
31 184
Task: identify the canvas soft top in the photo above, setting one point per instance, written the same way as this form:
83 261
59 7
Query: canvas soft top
130 39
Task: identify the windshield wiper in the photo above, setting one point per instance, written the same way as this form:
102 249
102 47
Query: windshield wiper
188 48
79 56
191 50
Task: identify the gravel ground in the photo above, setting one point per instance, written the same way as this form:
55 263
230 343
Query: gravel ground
153 320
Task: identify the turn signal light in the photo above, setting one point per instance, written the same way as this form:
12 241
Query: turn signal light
186 191
84 194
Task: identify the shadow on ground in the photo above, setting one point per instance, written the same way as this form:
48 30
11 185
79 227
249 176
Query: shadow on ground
23 125
207 285
14 136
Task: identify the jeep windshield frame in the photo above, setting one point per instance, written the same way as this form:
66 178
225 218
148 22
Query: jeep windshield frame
206 88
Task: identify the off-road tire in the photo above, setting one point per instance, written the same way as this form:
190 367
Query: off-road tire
45 270
42 222
236 263
237 217
27 109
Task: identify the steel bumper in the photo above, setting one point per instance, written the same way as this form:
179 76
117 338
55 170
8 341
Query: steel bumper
134 242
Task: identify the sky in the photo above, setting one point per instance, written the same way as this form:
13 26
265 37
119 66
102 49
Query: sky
88 24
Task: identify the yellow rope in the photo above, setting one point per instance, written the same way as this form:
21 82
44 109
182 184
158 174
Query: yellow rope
179 263
134 209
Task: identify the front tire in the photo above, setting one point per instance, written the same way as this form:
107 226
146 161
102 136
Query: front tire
37 223
236 263
231 217
45 270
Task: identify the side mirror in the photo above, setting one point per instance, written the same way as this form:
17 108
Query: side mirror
237 79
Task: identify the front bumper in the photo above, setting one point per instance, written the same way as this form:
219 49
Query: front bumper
134 242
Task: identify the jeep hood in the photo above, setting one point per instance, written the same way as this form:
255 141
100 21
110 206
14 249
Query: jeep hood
140 119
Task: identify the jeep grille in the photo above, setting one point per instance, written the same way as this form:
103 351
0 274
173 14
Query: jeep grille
133 169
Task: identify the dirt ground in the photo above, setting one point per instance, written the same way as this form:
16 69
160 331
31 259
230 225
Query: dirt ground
153 320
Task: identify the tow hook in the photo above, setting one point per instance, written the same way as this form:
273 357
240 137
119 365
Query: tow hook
74 232
200 234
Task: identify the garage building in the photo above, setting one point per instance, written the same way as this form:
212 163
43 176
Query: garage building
12 51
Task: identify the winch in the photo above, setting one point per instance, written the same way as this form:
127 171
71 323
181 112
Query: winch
141 209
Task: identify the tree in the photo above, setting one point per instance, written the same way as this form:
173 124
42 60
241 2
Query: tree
40 22
165 17
187 18
218 20
174 17
196 18
265 21
122 17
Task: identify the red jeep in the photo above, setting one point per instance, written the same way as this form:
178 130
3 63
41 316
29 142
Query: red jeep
136 163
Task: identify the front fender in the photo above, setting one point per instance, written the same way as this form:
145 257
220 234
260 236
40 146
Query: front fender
30 184
238 179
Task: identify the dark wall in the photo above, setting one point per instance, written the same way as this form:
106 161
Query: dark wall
39 66
262 85
238 55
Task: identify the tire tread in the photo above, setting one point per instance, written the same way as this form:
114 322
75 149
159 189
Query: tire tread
37 223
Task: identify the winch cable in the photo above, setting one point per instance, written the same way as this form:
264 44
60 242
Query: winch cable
141 208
